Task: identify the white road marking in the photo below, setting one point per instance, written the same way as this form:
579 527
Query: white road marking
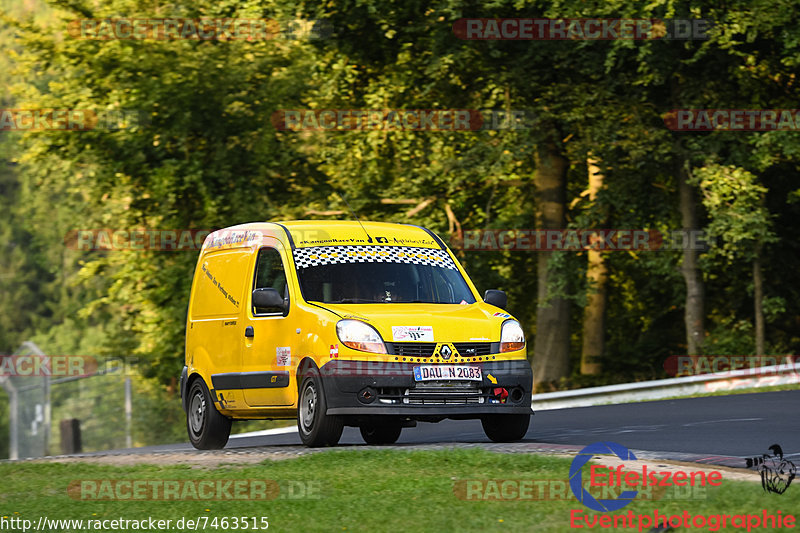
267 432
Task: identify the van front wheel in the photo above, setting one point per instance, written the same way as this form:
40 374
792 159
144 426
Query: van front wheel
208 429
315 426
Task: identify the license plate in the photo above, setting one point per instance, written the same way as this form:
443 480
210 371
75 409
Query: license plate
447 372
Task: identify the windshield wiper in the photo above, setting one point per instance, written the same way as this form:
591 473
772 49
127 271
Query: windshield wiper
353 301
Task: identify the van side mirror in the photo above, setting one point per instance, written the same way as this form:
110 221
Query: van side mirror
496 298
268 298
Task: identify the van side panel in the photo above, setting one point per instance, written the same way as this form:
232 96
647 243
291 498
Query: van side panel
267 357
220 288
214 336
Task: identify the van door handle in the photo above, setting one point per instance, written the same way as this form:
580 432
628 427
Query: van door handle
249 333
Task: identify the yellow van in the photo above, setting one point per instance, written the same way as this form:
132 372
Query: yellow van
371 325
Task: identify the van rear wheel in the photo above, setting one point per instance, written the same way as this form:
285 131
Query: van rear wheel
315 426
374 432
506 428
208 429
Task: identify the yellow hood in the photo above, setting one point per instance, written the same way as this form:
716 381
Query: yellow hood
476 322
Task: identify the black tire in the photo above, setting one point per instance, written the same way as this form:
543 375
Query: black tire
315 426
207 428
506 428
381 432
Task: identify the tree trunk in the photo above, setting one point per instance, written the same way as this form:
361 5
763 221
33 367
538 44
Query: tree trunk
758 296
595 311
692 276
551 345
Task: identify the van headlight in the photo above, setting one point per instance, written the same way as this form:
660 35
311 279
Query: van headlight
359 336
511 337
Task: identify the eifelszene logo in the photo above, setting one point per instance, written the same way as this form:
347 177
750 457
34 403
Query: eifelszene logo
618 478
576 482
776 472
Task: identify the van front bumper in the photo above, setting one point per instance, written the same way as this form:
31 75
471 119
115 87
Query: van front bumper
389 388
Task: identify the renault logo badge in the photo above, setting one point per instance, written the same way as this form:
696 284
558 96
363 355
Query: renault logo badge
445 352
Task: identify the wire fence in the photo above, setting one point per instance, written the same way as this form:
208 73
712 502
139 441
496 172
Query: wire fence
29 407
107 405
96 405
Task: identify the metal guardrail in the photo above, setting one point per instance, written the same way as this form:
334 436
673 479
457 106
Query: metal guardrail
749 378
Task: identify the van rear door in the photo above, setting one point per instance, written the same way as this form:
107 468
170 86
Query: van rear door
217 307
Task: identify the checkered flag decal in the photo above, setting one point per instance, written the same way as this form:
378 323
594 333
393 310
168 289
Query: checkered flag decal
329 255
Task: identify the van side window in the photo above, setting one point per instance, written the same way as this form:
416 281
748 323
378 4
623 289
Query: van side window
270 273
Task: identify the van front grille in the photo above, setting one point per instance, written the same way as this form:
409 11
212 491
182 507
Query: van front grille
414 349
426 349
443 393
472 349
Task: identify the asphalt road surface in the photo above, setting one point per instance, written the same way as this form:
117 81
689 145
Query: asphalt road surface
706 429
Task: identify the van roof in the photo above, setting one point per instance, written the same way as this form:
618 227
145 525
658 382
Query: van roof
308 233
347 232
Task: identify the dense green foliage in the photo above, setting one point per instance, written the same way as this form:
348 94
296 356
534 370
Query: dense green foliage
207 156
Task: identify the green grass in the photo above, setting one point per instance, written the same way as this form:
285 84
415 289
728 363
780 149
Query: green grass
371 490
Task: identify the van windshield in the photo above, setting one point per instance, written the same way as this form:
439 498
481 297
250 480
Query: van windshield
380 274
